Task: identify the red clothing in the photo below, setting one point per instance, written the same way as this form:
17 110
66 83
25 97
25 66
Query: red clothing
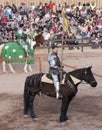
35 14
45 7
89 29
50 6
4 19
55 29
99 20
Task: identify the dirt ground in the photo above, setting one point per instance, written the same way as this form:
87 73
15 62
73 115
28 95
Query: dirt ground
85 111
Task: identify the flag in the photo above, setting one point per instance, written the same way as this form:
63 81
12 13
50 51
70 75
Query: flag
65 21
63 12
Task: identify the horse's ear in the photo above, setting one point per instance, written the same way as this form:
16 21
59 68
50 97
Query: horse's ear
89 67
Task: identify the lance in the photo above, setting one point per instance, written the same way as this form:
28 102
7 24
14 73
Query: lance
62 55
66 27
62 45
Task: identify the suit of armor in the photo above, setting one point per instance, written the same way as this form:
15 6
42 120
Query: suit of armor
21 39
54 63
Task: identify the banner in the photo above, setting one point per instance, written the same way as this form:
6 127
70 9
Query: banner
65 21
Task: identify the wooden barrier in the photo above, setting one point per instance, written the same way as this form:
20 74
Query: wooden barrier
42 59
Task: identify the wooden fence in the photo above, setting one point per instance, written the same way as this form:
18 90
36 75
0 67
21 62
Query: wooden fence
40 65
36 2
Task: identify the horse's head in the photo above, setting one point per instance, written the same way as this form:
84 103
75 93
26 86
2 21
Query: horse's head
39 40
89 77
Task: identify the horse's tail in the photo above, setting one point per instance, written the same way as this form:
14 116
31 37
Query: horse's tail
31 88
26 96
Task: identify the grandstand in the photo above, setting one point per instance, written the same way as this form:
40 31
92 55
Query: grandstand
36 2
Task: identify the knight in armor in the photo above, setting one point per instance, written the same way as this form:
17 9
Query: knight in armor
21 38
54 65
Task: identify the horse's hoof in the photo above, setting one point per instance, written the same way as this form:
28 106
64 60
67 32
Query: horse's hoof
25 71
63 120
35 119
30 70
5 72
25 116
13 72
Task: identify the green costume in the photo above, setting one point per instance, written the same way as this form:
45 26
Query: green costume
21 39
17 50
32 34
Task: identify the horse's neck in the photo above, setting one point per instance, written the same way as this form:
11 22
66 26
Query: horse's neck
31 42
77 74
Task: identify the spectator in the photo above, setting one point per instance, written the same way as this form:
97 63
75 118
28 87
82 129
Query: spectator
46 34
4 20
23 10
54 7
59 8
83 29
83 12
95 41
50 6
93 5
14 8
32 7
79 6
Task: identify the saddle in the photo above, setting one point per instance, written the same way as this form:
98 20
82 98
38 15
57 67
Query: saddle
47 78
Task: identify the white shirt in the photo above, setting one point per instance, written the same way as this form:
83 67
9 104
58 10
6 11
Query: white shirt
46 35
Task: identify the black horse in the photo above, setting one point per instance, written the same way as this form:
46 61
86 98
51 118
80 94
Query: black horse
37 83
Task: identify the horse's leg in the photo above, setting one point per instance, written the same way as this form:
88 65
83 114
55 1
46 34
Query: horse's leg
25 67
11 68
26 101
64 108
30 68
31 100
4 66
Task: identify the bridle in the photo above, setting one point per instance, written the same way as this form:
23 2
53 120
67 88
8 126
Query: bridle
91 82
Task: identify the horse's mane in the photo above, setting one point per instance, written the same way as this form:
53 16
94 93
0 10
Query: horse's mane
76 70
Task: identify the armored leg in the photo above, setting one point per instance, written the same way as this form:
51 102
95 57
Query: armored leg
57 86
58 93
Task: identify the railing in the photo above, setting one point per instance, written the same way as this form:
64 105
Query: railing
49 42
42 59
82 43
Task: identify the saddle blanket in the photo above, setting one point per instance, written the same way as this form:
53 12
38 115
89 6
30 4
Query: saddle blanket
47 80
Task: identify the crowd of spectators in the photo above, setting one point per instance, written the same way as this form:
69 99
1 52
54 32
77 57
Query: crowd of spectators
47 18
